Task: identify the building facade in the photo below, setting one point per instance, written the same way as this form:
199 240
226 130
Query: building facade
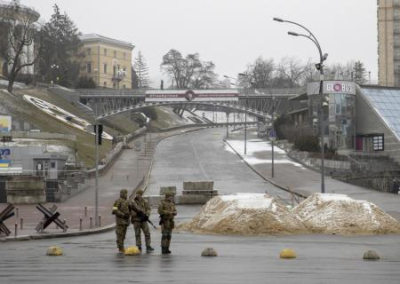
389 42
107 61
358 119
338 112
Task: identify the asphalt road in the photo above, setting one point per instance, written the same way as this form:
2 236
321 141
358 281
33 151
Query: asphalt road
203 156
94 259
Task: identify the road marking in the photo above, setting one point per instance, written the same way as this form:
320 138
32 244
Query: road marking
198 160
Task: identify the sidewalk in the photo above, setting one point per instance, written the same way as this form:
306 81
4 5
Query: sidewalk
126 172
290 174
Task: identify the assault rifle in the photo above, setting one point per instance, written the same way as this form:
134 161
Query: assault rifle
144 218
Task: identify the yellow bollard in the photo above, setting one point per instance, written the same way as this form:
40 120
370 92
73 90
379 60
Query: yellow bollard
132 251
54 251
287 254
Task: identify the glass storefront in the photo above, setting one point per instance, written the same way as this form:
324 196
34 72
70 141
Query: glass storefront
338 102
341 121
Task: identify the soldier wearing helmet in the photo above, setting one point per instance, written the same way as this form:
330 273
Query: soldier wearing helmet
121 210
140 214
167 212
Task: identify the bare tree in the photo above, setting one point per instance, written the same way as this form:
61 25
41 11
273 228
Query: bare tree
290 73
20 31
205 76
188 72
173 65
260 74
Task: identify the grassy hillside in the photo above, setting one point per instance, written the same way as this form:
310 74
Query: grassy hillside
84 146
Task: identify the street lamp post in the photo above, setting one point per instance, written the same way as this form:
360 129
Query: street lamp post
320 68
274 135
245 115
96 192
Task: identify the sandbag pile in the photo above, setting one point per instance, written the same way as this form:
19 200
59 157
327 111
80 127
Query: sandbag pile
244 214
340 214
256 214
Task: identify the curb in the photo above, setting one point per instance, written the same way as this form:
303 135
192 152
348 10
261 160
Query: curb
59 235
262 176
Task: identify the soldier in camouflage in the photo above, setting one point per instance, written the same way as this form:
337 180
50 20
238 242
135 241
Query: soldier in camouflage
141 210
167 212
121 210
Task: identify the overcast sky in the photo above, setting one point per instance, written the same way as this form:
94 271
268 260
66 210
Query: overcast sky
230 33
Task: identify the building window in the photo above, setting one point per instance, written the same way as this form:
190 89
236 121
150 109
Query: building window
52 165
105 84
105 51
378 143
105 68
114 85
115 53
89 67
396 14
88 51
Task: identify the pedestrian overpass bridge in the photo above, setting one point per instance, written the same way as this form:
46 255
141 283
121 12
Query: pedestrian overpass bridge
259 104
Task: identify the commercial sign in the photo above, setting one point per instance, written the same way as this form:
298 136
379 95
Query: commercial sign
4 157
5 123
332 87
191 95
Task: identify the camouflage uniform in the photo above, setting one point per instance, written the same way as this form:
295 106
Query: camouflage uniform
167 212
139 204
121 210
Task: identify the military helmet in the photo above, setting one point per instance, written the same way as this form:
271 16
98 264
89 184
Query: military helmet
139 192
169 194
123 192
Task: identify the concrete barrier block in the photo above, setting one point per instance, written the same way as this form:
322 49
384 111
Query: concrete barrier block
192 199
165 189
26 190
198 185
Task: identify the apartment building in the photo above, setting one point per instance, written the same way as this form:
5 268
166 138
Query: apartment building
107 61
389 42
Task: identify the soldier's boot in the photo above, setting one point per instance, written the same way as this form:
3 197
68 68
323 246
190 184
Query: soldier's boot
164 250
121 250
167 250
149 249
140 248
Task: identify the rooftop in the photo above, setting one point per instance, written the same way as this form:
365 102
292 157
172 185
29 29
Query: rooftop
93 37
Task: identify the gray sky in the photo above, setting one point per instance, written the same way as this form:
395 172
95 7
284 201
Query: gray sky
231 33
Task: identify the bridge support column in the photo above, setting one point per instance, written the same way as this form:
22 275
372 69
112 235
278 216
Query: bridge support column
227 125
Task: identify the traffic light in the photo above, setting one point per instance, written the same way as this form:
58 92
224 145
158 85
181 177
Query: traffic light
98 130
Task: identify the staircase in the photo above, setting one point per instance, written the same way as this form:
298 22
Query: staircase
379 172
